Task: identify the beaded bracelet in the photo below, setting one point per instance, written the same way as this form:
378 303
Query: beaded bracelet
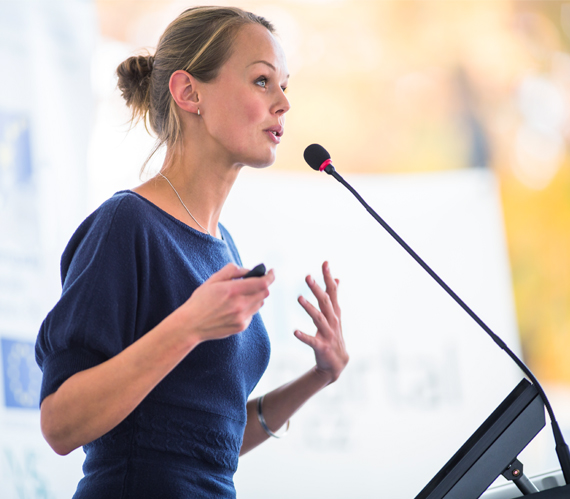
264 424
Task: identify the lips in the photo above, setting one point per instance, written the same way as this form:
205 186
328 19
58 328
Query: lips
275 132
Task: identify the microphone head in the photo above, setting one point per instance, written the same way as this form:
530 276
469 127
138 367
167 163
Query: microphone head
315 155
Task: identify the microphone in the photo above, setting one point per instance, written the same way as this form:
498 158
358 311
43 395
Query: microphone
320 160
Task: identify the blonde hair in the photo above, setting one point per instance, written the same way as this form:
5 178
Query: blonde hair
198 41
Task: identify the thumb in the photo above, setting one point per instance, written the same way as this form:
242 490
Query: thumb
230 271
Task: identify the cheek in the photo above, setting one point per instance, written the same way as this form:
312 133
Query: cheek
254 111
236 117
244 122
239 104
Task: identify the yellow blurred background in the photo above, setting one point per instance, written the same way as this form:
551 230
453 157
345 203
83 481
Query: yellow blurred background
400 86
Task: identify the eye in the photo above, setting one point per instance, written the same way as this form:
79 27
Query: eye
262 82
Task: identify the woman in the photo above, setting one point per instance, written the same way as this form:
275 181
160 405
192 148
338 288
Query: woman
151 352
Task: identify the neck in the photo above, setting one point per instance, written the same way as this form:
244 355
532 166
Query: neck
202 184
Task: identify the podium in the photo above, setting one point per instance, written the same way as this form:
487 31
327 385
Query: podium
493 449
550 484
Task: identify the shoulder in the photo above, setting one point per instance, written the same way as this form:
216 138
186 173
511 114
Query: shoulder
117 213
123 208
116 223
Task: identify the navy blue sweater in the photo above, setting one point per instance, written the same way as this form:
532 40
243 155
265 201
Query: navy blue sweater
128 266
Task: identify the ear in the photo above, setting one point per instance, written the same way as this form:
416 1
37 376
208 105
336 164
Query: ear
183 87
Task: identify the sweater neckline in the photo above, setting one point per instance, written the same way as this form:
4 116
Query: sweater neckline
182 225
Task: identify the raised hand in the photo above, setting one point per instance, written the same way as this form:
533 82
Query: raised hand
328 342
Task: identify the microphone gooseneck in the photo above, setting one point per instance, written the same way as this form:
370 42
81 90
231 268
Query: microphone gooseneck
319 159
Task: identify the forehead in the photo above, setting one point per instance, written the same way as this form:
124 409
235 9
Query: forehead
255 43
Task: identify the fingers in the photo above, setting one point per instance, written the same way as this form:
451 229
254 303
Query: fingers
328 343
247 295
305 338
327 303
322 297
255 285
230 271
233 273
319 318
251 292
246 299
331 287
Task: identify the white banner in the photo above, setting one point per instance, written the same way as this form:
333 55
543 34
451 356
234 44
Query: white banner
45 114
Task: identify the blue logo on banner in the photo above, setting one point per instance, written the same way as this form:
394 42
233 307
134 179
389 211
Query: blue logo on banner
22 376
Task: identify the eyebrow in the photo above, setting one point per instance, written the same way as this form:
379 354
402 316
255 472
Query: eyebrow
266 63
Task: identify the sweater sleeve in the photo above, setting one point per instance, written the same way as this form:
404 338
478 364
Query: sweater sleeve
95 316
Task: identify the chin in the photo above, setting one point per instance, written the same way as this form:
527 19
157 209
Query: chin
262 162
260 166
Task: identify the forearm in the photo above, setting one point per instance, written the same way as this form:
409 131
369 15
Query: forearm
279 405
92 402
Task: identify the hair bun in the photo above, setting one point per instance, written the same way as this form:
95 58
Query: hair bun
134 81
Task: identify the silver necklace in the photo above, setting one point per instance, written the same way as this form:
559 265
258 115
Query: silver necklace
187 210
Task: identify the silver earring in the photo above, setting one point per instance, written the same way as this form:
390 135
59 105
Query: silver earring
198 111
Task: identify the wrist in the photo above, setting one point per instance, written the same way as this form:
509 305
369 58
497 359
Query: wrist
323 376
179 327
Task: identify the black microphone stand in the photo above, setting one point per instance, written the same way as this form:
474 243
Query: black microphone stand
562 450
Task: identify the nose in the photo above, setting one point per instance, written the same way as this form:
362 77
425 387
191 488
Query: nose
282 105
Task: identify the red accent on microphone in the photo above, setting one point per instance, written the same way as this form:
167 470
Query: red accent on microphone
325 164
